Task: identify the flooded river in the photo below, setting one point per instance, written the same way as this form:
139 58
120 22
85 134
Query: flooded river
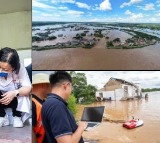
98 59
113 132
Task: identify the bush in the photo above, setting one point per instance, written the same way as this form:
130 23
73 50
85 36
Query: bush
36 38
72 104
52 37
117 40
110 44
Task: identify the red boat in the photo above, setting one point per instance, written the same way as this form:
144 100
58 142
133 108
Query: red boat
133 123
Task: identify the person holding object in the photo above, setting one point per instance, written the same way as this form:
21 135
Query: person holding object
60 125
15 87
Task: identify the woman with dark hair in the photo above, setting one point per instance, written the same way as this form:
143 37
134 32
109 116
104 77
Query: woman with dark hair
15 87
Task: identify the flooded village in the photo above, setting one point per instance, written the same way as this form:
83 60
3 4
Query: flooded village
95 46
124 100
88 35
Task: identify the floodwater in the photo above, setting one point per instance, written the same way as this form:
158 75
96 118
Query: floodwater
98 58
69 33
117 112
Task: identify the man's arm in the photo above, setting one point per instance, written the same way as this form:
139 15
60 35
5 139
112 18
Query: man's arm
75 137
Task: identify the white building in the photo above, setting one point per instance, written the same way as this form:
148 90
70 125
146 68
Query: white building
118 89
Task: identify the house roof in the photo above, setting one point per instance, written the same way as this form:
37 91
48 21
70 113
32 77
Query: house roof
122 81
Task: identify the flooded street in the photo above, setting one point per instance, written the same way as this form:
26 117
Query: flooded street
113 132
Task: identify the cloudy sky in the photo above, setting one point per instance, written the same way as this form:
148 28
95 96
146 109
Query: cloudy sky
97 10
147 79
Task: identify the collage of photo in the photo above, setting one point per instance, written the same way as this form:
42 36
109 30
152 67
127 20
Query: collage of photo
78 71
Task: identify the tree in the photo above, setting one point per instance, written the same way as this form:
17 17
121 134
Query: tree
89 93
110 44
117 40
79 83
80 88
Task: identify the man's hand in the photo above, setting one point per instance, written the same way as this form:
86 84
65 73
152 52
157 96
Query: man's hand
75 137
82 125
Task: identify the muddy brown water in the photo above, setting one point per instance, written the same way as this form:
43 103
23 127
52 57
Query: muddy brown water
113 132
146 58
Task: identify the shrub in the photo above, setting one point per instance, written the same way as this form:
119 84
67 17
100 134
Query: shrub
110 44
72 104
52 37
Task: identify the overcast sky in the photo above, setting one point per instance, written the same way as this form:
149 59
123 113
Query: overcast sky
147 79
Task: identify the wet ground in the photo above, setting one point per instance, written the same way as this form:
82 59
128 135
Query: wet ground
10 134
113 132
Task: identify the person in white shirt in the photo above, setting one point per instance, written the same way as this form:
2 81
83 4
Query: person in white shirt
15 88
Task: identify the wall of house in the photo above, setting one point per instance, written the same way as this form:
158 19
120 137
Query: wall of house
115 95
131 90
15 30
112 85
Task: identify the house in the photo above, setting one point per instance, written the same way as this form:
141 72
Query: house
118 89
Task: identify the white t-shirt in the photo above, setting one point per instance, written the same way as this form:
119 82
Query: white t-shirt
15 81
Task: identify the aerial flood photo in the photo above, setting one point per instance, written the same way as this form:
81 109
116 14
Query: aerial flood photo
123 34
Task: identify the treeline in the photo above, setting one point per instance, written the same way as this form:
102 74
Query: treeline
141 34
150 89
43 23
152 26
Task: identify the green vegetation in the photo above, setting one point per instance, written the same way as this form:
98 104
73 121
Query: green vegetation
78 36
42 38
43 23
150 89
36 38
52 37
98 33
152 26
117 40
110 44
72 104
88 46
83 92
138 40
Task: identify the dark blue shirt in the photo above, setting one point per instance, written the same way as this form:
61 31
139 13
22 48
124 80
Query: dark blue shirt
57 119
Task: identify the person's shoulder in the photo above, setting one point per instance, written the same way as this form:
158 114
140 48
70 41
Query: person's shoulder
52 103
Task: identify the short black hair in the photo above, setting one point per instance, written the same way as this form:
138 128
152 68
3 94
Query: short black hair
10 56
58 77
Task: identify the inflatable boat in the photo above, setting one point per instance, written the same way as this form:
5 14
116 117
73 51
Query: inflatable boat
133 123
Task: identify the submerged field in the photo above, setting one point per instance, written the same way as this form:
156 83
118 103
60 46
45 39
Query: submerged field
88 35
84 46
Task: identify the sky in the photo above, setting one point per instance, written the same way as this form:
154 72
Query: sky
145 11
145 79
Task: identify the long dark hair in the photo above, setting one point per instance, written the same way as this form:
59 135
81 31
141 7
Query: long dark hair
10 56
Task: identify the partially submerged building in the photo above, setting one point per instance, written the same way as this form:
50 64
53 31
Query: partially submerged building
118 89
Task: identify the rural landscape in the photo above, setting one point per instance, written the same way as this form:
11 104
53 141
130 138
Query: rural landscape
84 45
52 35
93 35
